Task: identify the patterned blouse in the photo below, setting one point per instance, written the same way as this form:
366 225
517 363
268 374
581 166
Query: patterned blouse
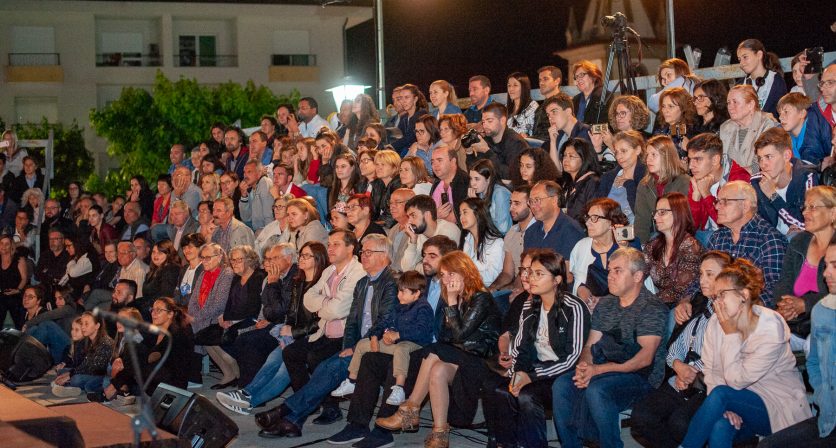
680 278
523 122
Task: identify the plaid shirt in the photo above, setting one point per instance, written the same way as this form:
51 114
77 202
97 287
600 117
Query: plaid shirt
761 244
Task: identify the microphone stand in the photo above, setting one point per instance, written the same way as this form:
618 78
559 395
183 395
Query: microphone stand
144 420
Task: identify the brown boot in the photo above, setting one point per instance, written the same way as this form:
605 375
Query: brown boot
405 419
439 438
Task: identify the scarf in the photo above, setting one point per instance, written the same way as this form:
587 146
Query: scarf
206 285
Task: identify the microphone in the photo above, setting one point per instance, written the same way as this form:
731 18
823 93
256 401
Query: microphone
126 322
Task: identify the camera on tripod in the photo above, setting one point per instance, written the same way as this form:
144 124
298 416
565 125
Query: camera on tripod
617 21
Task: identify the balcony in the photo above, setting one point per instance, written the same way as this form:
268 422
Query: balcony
128 60
293 68
193 60
34 67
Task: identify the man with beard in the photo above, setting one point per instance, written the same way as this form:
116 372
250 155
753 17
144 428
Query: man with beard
423 223
236 153
521 214
53 219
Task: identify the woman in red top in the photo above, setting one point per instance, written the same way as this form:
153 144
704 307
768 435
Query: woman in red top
163 200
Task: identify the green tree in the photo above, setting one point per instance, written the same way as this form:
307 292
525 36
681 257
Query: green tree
72 159
141 127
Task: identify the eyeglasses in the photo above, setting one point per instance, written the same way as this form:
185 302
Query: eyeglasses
661 212
305 256
580 75
827 84
153 310
279 207
536 275
420 131
368 253
236 260
594 218
813 208
208 257
349 208
536 201
621 114
722 293
699 98
725 201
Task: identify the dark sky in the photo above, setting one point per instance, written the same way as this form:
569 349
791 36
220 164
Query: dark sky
443 39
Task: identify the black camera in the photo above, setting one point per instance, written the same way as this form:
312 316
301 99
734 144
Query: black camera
814 59
615 21
470 138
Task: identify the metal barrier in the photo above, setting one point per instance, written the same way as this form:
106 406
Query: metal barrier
34 59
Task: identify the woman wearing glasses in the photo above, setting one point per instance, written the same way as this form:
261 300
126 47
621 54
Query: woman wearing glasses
589 80
208 300
175 369
454 369
427 137
665 174
753 385
269 235
661 418
580 176
553 328
678 118
710 102
588 260
359 214
802 282
673 255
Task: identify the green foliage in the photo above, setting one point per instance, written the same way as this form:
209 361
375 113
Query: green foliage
141 127
72 160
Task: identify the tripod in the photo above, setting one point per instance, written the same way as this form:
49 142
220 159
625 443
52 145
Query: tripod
619 53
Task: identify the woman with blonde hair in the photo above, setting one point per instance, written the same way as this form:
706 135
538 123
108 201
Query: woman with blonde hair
443 98
302 224
386 163
210 187
456 364
665 174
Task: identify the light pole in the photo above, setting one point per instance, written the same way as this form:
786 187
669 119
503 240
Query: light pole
671 29
381 75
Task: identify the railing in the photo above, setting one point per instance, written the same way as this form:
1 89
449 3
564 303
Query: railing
128 60
34 59
296 60
193 60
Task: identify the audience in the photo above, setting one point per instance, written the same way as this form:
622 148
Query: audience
279 315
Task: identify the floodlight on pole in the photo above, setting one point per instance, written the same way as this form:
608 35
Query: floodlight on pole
348 89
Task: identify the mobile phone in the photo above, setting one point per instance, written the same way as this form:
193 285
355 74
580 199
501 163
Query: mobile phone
444 198
814 57
626 233
599 128
4 144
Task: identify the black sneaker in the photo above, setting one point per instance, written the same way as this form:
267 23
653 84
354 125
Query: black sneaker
96 397
350 434
378 438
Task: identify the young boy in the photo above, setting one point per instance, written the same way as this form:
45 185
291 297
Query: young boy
410 329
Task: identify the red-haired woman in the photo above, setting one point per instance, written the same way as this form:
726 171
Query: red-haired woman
590 81
457 362
673 255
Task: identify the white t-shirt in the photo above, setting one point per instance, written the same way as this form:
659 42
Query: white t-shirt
544 348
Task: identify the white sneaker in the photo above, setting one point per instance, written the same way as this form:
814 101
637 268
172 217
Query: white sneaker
396 397
237 409
124 400
237 398
346 388
65 391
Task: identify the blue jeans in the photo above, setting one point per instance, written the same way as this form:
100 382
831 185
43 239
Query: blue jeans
327 376
53 337
87 383
595 409
709 425
270 381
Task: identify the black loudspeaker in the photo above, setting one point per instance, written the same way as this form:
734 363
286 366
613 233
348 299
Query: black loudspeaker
191 417
22 357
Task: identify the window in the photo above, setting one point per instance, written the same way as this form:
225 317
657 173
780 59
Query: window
35 109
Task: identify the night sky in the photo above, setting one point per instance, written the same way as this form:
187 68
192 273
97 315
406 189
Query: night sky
427 40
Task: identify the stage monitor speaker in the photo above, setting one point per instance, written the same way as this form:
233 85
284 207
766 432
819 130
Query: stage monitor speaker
191 417
22 357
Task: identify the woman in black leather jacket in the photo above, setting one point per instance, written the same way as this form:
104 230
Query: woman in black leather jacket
457 363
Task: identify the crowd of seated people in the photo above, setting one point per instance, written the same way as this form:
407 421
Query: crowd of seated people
683 271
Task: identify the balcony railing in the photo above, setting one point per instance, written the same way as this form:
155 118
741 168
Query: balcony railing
295 60
193 60
34 59
128 60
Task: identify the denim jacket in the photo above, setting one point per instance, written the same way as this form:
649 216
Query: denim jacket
821 362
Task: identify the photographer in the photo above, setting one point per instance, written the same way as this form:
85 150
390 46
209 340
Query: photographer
499 143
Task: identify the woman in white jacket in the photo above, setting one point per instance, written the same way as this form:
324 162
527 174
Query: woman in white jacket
753 385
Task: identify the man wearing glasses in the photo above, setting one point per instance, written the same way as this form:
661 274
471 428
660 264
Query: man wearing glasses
745 234
553 229
397 233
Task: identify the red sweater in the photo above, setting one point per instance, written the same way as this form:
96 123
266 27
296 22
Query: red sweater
703 209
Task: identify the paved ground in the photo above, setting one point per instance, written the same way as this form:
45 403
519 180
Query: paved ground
313 435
